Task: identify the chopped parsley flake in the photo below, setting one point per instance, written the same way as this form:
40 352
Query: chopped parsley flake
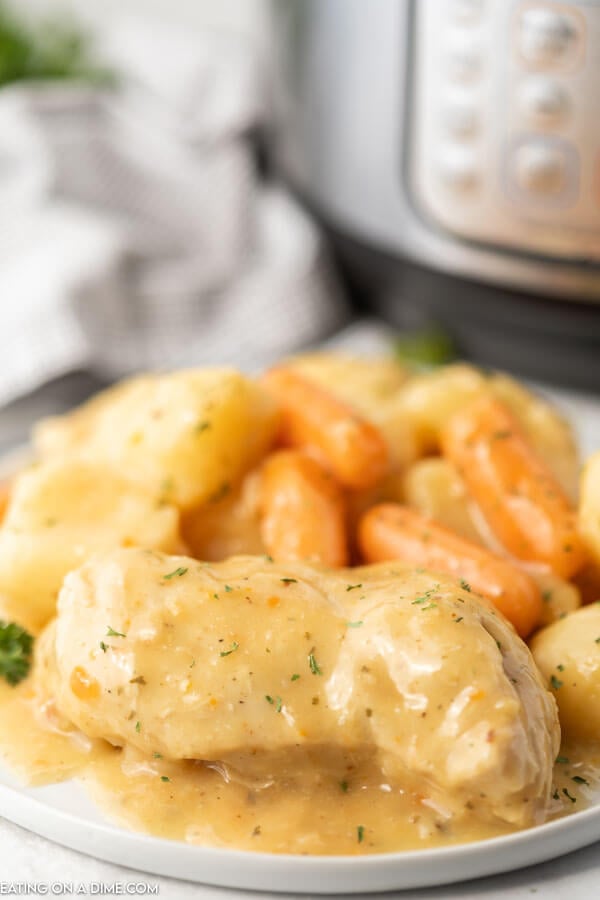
597 641
353 587
176 573
234 647
460 619
228 589
103 646
563 760
555 683
465 585
354 624
295 677
138 727
314 665
547 596
164 778
157 755
289 580
579 780
567 794
112 633
344 786
560 667
277 702
201 427
360 833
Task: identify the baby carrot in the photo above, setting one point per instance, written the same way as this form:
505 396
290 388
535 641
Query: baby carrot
390 531
5 488
519 497
303 514
352 448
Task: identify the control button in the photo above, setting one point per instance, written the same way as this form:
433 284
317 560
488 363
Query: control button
547 37
467 10
460 114
540 169
543 101
458 168
463 58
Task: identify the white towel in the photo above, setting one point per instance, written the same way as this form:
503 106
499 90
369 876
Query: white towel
135 231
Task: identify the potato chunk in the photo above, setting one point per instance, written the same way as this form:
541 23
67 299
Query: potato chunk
186 436
568 656
59 513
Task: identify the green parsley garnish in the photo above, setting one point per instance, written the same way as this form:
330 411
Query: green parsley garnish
556 683
597 641
354 624
567 794
360 833
112 633
460 619
228 589
314 665
164 778
157 755
103 646
16 647
547 596
201 427
465 585
234 647
138 727
344 786
563 760
425 349
289 580
294 677
176 573
353 587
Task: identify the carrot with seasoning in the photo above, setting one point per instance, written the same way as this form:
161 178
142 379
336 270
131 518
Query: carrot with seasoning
354 449
303 511
390 531
525 507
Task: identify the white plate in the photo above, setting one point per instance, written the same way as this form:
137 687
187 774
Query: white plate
64 814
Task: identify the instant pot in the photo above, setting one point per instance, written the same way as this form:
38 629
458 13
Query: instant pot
452 148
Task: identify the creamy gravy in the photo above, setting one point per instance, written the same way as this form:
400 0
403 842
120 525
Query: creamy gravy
345 806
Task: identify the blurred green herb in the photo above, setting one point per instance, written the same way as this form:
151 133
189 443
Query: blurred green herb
16 646
51 49
425 349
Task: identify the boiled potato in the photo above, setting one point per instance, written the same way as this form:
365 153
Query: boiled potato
589 508
228 527
185 436
560 597
372 386
430 398
548 432
434 487
59 513
568 656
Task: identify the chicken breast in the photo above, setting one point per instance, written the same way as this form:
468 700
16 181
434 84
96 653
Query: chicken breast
251 663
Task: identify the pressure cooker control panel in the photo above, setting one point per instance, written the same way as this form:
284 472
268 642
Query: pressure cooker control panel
505 130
